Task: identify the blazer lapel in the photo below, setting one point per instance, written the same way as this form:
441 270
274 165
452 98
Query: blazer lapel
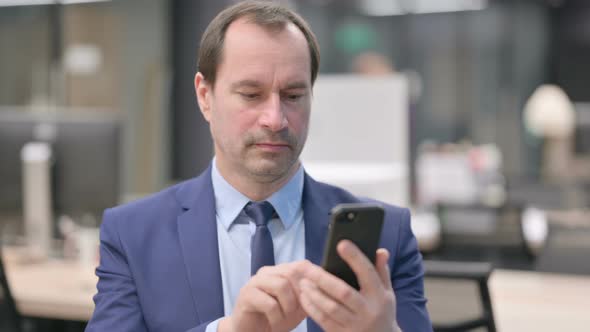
315 216
197 231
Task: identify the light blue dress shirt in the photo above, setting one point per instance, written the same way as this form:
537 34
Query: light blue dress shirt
235 230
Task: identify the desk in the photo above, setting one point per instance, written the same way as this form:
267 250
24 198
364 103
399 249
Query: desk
523 301
56 289
533 301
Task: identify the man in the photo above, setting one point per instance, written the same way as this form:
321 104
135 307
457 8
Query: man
188 258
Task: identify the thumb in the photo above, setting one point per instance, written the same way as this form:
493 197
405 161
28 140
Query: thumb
382 266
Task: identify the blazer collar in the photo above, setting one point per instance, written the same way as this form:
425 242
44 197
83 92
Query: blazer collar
315 216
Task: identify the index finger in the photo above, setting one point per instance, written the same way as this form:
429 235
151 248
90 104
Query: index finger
294 272
362 267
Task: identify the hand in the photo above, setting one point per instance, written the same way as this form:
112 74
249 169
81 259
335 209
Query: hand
336 306
268 302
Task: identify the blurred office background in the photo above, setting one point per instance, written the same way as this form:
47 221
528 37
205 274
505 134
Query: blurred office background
486 133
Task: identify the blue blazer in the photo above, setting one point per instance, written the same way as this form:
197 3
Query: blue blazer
159 260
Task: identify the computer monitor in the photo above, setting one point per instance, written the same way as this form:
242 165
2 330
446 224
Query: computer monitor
86 160
366 155
582 131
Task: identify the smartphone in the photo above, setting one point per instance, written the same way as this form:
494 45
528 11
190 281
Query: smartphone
360 223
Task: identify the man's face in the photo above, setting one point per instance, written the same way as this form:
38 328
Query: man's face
258 110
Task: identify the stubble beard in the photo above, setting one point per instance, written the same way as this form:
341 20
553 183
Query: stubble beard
267 167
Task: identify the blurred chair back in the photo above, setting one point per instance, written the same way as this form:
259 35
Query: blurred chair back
9 317
458 296
568 244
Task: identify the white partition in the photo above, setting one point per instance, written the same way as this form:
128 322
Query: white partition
358 136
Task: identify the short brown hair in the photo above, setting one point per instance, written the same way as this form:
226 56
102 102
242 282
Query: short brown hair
263 13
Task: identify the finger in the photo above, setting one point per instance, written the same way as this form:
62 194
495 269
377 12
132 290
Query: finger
280 288
335 288
382 265
339 313
325 322
364 269
263 303
295 271
278 270
292 271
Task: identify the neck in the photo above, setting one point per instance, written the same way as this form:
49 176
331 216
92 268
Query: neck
257 188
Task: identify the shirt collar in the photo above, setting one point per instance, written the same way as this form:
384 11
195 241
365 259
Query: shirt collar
229 202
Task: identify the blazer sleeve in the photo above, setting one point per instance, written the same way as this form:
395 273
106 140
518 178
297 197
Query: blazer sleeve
407 277
117 306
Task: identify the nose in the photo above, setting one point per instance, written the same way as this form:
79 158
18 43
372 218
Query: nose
273 116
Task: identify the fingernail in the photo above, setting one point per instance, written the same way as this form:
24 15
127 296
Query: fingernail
345 242
344 246
384 252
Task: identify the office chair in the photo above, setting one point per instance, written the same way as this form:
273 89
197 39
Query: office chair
10 320
458 296
478 233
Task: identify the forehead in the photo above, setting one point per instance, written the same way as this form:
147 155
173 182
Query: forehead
256 52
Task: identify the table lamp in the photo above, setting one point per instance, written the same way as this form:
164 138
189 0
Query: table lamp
549 114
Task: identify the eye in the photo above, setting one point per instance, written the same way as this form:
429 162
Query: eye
249 96
294 96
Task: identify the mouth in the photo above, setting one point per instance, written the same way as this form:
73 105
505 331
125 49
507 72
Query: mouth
272 146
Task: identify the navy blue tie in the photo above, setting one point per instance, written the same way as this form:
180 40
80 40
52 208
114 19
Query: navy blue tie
261 247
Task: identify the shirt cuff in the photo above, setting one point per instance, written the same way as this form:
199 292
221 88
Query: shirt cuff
212 327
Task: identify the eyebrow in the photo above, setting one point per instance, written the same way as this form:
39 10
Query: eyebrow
246 83
297 85
257 84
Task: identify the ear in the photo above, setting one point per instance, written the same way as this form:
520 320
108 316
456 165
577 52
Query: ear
204 91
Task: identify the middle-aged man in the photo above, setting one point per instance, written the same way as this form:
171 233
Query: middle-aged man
188 258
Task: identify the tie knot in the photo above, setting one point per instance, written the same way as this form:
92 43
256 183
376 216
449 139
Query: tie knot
259 212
